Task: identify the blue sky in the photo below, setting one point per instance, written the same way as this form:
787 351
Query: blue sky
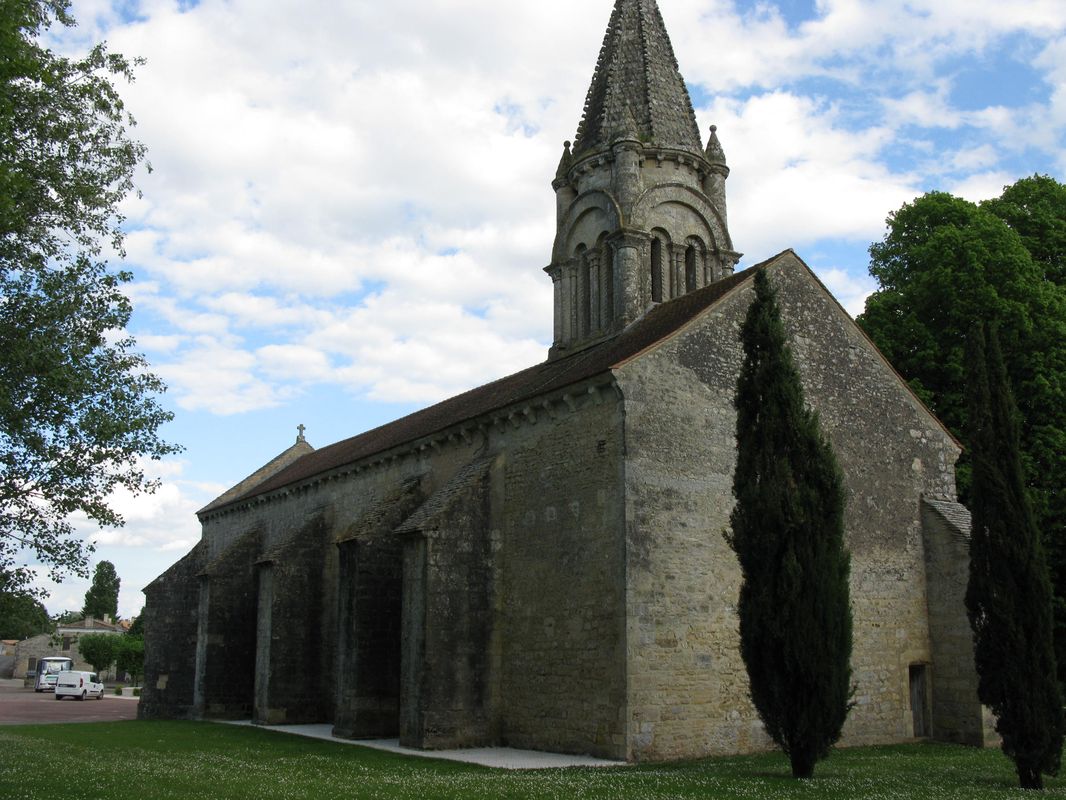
350 203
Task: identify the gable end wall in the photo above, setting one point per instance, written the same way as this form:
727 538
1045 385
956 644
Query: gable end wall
687 684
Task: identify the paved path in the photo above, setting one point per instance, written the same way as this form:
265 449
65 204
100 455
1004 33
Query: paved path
19 706
501 757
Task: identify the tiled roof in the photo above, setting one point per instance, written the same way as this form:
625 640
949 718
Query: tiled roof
955 514
549 376
637 84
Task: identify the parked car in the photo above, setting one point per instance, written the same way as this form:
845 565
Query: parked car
79 685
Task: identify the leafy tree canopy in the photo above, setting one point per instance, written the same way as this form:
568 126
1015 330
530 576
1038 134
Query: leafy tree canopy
1036 209
78 408
102 598
129 655
946 262
137 626
99 649
21 614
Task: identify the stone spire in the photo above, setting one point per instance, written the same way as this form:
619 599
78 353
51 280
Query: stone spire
637 75
640 203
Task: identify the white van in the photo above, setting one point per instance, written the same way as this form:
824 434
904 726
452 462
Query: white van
80 685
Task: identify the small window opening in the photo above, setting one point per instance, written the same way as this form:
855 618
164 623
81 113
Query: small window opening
656 271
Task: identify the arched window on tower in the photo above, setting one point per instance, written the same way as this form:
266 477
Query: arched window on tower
656 270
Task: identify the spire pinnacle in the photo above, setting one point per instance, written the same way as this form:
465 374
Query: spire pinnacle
714 153
564 163
637 74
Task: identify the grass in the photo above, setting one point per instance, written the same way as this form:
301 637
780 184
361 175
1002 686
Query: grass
156 760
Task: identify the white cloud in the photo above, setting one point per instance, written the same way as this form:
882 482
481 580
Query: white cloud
798 175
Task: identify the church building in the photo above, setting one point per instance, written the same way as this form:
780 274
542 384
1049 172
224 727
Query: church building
540 562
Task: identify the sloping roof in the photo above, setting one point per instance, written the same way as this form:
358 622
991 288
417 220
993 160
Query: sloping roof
956 515
549 376
427 515
90 624
637 88
272 467
386 513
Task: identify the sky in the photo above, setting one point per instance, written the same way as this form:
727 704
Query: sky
350 204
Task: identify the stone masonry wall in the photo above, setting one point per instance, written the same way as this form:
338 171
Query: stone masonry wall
170 624
957 714
558 517
226 631
289 683
687 683
552 674
448 599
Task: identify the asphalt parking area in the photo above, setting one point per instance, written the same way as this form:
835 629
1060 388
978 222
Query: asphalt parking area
21 706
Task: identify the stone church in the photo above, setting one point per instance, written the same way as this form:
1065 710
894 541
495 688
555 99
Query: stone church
540 562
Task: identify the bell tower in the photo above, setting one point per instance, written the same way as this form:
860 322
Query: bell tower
640 202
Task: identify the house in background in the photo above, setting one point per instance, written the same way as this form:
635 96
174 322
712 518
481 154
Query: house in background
63 642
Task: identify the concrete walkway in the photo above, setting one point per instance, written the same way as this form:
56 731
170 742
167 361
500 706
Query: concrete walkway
500 757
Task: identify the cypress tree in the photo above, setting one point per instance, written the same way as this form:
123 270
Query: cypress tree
788 534
1009 599
102 597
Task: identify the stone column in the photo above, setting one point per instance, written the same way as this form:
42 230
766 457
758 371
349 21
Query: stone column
593 300
607 289
628 251
677 271
557 293
568 292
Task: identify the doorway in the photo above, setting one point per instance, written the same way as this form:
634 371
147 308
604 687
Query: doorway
919 691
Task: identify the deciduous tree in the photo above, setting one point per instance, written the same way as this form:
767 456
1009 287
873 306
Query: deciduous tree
945 262
130 656
78 406
21 614
788 534
1009 598
99 649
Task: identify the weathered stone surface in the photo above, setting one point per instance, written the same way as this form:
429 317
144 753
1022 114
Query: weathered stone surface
956 717
688 684
171 615
289 682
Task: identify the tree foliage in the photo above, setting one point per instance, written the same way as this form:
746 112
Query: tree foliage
1035 208
130 656
102 597
99 649
788 534
1009 598
78 408
945 262
21 614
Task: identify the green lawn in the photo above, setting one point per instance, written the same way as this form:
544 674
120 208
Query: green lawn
149 760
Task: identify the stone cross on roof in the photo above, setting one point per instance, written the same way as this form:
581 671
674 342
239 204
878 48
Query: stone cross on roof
300 432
